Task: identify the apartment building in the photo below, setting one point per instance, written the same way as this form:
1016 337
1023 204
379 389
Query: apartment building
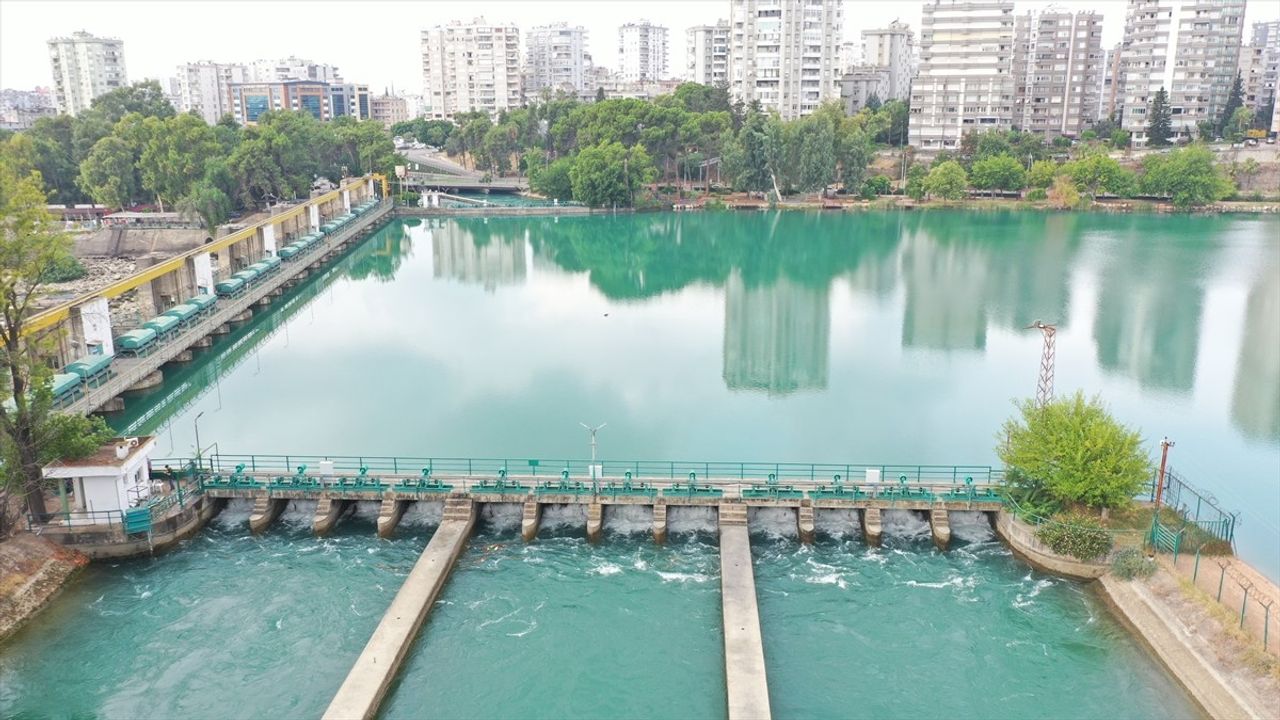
1191 48
642 52
1057 63
785 54
85 66
892 48
473 66
707 54
965 83
556 58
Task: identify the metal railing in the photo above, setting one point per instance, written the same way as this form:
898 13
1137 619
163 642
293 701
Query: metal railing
74 518
1199 510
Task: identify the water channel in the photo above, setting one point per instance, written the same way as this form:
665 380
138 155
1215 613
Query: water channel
881 338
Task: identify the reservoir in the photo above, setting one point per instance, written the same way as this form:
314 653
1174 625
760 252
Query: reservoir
788 337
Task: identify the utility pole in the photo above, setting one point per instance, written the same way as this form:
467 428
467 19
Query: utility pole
1165 444
593 431
1044 388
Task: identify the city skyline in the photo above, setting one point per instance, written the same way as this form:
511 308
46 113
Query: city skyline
155 51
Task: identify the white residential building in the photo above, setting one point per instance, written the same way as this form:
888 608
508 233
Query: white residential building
1057 63
892 48
470 66
1266 35
785 54
707 55
388 109
642 51
292 68
204 88
85 67
1110 84
850 54
556 58
965 83
1190 48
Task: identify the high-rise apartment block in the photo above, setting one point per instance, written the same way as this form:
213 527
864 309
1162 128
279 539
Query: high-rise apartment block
1266 36
85 67
205 88
293 68
785 54
471 66
1057 63
556 58
1190 48
707 54
642 51
1110 84
891 48
965 83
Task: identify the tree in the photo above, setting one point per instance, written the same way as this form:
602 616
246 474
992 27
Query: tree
1041 174
174 157
1074 450
600 94
1187 176
998 172
1240 122
1063 195
814 151
145 98
1159 120
207 202
747 159
873 102
876 185
610 173
1121 139
32 247
916 176
1235 101
1096 173
108 174
947 181
554 180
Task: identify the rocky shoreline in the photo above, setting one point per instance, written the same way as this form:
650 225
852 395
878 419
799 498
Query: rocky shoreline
32 572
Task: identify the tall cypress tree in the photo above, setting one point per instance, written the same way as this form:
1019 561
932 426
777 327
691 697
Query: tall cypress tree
1234 101
1159 120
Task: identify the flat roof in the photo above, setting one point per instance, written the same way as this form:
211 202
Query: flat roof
105 456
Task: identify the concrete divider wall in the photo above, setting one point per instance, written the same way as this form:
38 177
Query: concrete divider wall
1021 538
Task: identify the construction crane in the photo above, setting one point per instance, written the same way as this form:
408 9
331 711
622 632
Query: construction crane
1044 388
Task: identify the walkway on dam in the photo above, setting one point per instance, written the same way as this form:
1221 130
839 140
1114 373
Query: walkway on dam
128 372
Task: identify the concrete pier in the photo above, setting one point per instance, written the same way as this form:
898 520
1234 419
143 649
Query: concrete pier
362 692
660 523
389 515
804 522
151 380
871 527
265 512
940 523
595 522
748 690
203 342
182 357
327 512
529 521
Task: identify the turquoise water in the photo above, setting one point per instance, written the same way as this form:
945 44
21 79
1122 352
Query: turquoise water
883 338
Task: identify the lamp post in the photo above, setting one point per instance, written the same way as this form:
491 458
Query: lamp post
593 431
1165 444
196 423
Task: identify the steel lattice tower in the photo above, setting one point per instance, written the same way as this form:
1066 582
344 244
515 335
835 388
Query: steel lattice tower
1044 388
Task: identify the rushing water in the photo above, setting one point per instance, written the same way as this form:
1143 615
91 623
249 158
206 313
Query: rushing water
882 338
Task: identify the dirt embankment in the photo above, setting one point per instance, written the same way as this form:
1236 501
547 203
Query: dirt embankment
32 571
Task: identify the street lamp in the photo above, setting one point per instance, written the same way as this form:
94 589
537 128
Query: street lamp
196 423
593 431
1165 444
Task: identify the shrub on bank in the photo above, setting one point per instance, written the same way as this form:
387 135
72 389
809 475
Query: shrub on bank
1131 563
1079 536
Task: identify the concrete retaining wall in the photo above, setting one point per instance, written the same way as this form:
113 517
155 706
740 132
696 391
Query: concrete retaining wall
1021 538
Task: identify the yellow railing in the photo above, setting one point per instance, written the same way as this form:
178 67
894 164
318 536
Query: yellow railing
58 313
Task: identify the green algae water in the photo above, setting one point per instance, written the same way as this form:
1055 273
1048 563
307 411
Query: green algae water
882 338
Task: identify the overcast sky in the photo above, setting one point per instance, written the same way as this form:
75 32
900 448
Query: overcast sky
377 42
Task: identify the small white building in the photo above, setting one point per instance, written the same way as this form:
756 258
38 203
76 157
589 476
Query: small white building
113 479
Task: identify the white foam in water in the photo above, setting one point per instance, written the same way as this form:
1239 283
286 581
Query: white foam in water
906 524
299 513
561 516
423 513
501 516
235 514
772 521
628 519
970 526
838 522
691 518
367 510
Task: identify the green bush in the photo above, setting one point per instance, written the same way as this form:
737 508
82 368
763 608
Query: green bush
1131 563
66 268
1078 536
1037 194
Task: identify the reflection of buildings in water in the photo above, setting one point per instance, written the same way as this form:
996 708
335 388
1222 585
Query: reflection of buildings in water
946 288
776 336
496 261
1147 326
1255 402
1030 276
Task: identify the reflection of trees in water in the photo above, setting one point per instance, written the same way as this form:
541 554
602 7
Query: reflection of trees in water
381 255
1255 400
1151 296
